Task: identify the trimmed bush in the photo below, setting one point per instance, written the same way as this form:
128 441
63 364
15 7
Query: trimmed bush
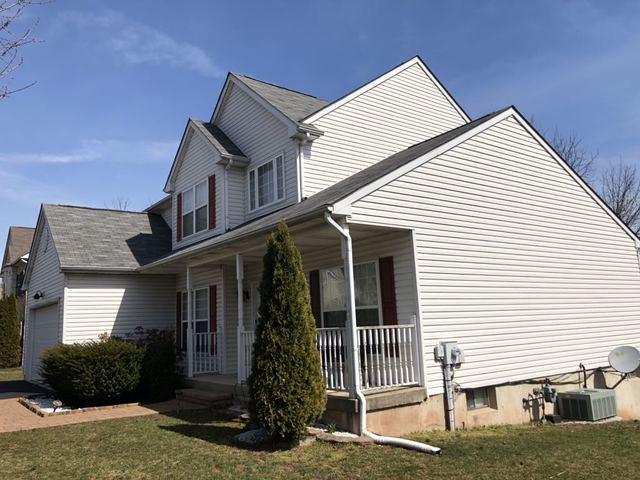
158 376
10 351
286 388
94 373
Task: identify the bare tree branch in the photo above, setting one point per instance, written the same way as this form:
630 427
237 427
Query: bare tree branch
570 149
119 203
621 191
11 42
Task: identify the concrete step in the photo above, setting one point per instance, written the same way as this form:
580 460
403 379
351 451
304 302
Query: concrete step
205 398
209 384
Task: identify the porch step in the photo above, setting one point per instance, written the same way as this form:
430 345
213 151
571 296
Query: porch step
210 384
205 398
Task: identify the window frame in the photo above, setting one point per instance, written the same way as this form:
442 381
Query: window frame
376 263
195 208
277 185
184 313
470 397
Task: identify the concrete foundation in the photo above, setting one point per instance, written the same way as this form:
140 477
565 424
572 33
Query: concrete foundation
403 411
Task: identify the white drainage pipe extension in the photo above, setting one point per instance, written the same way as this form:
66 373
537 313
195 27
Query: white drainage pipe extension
347 255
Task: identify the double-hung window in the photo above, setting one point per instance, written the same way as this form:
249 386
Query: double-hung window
334 305
195 209
200 299
266 183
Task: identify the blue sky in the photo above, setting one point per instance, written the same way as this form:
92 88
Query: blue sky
118 80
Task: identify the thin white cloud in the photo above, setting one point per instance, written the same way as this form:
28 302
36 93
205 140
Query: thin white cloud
136 43
100 150
21 189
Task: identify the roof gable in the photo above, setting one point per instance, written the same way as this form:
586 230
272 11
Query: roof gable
213 136
314 116
18 244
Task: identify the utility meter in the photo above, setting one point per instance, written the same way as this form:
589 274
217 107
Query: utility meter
448 353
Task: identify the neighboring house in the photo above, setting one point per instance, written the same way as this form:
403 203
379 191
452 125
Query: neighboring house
14 265
474 231
14 261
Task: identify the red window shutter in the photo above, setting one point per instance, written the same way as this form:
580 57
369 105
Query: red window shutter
179 320
212 202
213 314
179 218
388 291
314 290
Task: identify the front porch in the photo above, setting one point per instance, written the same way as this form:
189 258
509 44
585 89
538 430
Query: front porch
218 289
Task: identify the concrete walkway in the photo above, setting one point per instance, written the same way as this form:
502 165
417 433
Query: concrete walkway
14 416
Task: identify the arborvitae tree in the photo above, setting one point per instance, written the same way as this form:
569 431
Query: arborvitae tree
286 387
10 353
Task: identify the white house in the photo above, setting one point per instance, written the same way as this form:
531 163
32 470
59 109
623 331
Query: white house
455 229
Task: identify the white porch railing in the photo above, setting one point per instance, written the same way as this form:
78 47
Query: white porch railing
205 353
387 356
332 347
247 337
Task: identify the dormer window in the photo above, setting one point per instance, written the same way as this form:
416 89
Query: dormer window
194 209
266 183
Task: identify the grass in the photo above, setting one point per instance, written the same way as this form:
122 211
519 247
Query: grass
10 374
199 445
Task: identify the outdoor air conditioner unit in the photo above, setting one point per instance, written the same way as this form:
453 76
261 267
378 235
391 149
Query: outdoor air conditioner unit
587 404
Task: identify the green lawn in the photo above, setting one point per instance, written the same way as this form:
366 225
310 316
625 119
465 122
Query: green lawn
196 445
9 374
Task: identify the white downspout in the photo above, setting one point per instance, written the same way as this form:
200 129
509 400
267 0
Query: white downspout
354 358
189 324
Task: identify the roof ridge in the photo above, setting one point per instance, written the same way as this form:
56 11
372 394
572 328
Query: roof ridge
95 208
279 86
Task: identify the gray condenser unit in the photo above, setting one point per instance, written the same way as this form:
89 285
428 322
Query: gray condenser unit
587 404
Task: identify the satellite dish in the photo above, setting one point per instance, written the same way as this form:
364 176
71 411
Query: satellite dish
625 359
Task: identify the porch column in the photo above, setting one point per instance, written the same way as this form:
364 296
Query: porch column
189 324
353 355
240 353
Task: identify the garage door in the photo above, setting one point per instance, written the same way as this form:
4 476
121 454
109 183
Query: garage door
44 335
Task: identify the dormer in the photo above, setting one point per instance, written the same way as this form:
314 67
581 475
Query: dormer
197 182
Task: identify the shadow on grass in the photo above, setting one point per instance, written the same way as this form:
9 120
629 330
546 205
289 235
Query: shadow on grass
219 434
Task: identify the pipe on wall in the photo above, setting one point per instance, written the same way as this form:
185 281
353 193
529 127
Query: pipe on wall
347 255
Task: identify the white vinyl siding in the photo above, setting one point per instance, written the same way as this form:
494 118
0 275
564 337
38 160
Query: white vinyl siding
236 180
516 261
117 304
261 137
399 112
45 277
198 163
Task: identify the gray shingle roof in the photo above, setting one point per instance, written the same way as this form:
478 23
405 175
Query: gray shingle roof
98 239
331 195
218 138
294 105
18 244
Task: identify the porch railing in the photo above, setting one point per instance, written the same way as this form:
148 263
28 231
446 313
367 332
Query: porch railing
332 347
205 353
247 337
388 356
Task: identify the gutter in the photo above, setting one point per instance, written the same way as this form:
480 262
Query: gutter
354 358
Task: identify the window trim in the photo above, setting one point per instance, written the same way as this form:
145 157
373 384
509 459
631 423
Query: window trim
276 182
184 212
184 312
490 396
376 262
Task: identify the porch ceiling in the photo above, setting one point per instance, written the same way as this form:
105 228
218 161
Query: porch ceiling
308 236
